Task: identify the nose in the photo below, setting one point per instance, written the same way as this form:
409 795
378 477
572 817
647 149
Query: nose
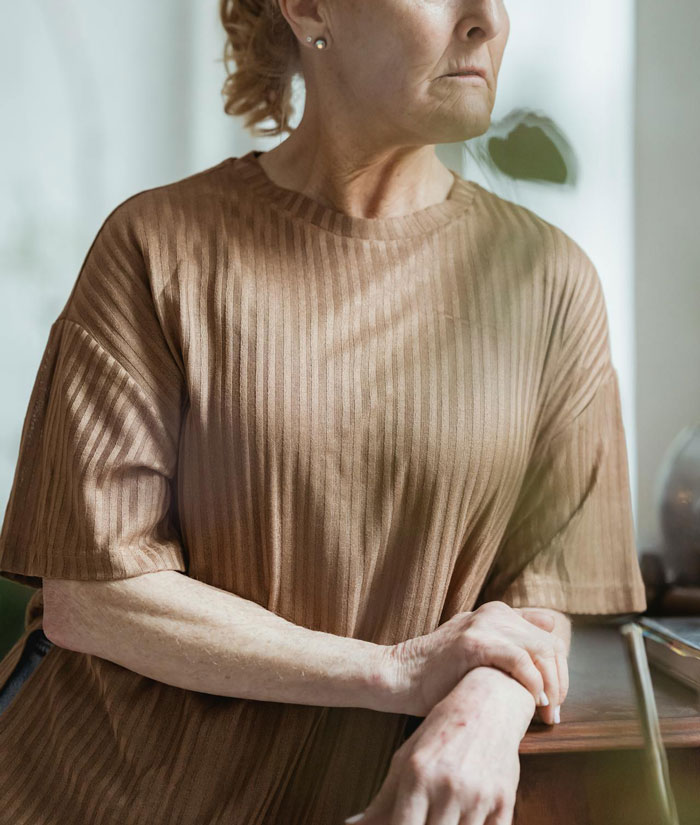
483 20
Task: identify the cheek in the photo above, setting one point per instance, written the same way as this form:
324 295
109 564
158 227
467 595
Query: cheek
384 74
394 49
407 65
405 38
420 47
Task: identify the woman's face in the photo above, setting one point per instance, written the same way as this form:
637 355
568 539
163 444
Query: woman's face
386 63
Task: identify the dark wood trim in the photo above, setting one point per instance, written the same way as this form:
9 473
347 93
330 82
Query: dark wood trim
622 734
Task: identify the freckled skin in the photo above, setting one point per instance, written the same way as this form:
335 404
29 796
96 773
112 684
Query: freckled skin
376 103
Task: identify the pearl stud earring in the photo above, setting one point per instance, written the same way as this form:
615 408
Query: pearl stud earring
320 42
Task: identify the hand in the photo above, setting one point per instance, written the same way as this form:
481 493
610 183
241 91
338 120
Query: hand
517 641
460 767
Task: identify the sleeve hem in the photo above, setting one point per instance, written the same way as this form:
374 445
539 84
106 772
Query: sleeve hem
80 569
588 599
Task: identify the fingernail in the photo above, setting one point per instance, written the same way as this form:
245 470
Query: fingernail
544 701
355 818
557 714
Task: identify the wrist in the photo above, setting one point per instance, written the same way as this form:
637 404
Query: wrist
493 691
382 680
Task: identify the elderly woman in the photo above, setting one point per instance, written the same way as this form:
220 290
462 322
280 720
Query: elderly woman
323 449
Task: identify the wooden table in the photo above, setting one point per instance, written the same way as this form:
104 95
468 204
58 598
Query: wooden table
590 769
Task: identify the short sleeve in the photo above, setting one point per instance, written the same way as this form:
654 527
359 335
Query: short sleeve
93 494
570 542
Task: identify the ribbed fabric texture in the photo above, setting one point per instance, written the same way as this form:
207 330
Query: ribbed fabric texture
364 425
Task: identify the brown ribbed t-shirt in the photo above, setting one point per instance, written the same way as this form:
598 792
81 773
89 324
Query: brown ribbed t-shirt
365 425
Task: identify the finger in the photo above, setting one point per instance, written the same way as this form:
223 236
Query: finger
546 661
442 812
546 649
446 805
518 663
476 815
379 808
562 668
540 618
563 675
410 808
517 649
502 816
542 647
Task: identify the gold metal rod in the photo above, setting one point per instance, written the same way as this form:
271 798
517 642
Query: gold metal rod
649 717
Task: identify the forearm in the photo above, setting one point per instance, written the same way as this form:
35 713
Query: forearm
178 630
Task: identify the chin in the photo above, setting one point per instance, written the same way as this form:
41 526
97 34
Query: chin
459 131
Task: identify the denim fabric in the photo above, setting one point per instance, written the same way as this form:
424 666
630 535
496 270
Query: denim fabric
35 648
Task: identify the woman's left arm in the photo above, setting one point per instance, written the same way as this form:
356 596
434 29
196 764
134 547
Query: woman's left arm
461 764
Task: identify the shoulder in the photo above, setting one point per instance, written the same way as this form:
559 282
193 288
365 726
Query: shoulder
177 206
158 234
507 219
536 250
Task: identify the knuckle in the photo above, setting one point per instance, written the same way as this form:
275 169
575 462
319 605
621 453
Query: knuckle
500 795
417 767
474 644
521 657
447 784
543 650
495 607
522 661
478 795
453 785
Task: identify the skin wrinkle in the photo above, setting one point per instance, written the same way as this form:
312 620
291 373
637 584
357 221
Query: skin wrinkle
376 104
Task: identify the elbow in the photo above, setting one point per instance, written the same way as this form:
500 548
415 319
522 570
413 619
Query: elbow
58 622
51 633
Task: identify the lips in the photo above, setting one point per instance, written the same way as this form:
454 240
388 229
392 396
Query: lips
468 70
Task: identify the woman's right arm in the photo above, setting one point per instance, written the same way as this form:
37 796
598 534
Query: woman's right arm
175 629
170 627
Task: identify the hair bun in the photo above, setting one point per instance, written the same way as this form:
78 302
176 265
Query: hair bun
265 52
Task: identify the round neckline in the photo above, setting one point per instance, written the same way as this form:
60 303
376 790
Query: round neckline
305 208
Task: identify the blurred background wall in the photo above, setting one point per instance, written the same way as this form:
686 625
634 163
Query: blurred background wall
102 100
667 253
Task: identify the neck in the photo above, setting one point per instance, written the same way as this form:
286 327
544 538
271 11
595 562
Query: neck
359 181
